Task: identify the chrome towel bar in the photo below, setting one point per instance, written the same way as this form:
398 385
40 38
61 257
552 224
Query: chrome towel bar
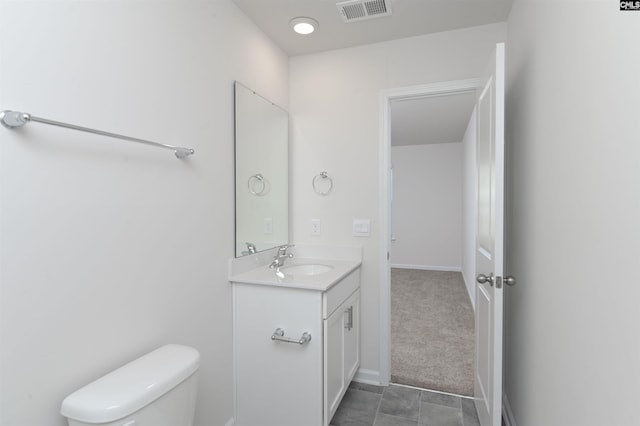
13 119
279 336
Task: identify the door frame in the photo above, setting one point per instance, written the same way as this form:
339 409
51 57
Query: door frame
386 96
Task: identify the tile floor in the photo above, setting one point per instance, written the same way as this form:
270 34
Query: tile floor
368 405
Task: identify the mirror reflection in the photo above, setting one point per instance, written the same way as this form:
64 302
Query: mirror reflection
262 172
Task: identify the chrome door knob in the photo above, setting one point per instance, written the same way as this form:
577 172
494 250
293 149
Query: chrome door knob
482 278
510 280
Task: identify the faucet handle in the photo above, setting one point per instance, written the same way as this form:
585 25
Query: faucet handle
283 248
282 252
251 248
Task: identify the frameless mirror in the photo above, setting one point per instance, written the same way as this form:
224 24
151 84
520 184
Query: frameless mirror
262 172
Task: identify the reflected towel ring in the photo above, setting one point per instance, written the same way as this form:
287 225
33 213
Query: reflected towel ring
317 183
259 181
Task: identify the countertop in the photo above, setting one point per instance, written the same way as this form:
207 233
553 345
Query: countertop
264 275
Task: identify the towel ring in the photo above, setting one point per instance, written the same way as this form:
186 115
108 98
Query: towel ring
315 182
258 181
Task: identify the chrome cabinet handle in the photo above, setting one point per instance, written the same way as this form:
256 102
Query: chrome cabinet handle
349 312
482 279
279 336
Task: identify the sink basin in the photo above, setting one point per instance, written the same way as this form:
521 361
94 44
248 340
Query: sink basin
307 269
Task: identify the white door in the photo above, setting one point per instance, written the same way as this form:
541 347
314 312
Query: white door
489 242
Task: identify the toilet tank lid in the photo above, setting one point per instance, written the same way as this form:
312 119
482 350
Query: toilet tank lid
132 386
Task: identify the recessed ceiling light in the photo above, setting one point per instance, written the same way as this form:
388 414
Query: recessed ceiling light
303 25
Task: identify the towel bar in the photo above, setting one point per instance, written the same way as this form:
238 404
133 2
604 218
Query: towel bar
279 336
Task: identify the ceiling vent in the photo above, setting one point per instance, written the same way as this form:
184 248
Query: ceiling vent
359 10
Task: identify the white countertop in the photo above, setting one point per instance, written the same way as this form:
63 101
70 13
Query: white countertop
320 282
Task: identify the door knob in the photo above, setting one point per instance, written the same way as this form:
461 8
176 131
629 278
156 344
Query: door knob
510 280
482 278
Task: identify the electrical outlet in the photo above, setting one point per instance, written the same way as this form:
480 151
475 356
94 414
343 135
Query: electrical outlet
315 227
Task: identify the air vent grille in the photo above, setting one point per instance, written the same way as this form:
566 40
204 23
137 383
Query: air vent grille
376 7
359 10
354 11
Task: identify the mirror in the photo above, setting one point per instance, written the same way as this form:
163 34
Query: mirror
262 172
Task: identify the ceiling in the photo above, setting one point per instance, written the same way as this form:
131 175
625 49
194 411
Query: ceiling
439 119
409 18
431 120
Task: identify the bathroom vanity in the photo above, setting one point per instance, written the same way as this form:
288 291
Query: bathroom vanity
297 342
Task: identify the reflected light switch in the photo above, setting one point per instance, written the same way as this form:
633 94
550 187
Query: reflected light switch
268 226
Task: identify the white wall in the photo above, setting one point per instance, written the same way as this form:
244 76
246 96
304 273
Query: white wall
469 207
335 120
110 249
426 212
573 238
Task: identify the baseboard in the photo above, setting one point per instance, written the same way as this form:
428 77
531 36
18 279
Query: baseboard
507 414
369 377
427 267
231 422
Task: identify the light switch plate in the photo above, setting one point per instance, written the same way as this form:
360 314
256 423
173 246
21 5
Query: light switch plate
361 227
267 227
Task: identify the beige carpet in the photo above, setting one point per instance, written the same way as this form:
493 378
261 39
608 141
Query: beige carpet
432 331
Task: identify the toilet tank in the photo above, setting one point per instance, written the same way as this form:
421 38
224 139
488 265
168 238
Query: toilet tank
157 389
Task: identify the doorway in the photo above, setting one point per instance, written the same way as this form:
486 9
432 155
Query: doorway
414 248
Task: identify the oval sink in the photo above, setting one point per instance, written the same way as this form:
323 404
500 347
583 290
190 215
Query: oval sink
309 269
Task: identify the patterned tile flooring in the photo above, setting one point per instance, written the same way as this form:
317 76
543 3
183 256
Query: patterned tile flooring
394 405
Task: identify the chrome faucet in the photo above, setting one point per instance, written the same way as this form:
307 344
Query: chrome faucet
251 248
281 256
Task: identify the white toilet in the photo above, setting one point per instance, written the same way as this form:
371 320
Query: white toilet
157 389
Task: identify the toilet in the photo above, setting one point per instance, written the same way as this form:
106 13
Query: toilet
157 389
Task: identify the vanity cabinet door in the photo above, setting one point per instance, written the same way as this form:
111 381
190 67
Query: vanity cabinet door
277 383
341 352
334 385
352 337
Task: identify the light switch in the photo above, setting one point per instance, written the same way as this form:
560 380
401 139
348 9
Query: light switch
361 227
268 226
315 227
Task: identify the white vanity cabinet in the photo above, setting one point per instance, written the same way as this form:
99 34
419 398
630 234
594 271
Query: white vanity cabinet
295 383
